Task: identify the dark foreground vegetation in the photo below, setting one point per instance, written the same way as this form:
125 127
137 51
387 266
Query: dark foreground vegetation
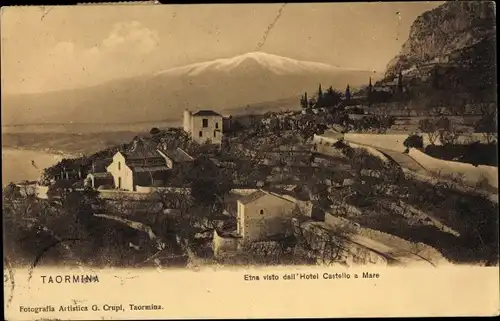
475 153
471 213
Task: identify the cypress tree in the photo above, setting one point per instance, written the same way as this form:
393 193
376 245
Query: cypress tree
400 82
369 94
304 101
347 93
319 100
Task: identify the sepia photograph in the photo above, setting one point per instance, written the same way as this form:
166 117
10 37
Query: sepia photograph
160 137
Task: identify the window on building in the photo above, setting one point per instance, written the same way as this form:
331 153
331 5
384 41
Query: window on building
215 133
216 125
261 212
200 134
119 182
119 165
205 122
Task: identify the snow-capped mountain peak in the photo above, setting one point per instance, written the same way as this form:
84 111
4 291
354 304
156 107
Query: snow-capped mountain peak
273 63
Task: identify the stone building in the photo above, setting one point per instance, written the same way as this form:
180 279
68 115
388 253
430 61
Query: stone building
204 126
262 215
141 166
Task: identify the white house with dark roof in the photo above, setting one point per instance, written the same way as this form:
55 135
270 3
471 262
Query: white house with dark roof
142 166
204 126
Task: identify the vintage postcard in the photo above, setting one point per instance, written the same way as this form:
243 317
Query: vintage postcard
249 160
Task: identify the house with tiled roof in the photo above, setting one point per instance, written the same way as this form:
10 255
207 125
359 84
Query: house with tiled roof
263 214
142 165
176 156
204 126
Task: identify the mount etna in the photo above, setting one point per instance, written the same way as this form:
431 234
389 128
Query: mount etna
229 84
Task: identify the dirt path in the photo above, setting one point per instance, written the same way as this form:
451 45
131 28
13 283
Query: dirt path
405 161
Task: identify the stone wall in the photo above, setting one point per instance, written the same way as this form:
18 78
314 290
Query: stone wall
394 142
328 248
324 144
152 189
42 192
419 249
471 174
224 244
117 195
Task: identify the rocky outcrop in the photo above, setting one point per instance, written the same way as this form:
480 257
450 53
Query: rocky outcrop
451 48
439 35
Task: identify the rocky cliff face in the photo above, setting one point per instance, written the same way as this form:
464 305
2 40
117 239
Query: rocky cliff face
442 34
449 59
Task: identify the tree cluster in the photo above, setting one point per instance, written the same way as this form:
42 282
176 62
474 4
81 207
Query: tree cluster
441 128
330 98
66 230
487 124
378 123
414 141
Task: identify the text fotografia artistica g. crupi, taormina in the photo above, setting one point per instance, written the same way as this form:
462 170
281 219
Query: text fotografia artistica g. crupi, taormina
94 307
128 146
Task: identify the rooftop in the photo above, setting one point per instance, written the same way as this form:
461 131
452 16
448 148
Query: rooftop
102 161
99 165
260 193
178 155
206 113
252 197
101 174
142 150
143 169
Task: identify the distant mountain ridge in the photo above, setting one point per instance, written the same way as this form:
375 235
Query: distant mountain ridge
221 84
274 63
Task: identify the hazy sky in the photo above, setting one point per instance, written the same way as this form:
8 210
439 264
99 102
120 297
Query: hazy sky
51 48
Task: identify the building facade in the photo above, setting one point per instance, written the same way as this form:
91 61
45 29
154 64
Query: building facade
204 126
122 174
144 168
262 215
